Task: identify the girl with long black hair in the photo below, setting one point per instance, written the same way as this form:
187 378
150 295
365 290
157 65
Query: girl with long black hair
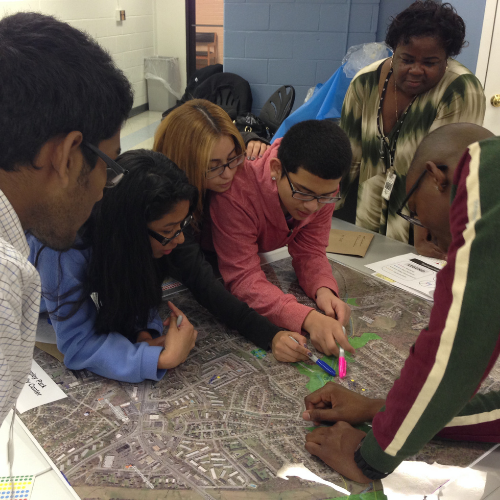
138 234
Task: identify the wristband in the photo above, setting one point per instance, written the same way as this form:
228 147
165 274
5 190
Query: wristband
366 468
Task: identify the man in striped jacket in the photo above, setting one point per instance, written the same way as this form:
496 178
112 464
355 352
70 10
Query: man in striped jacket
436 391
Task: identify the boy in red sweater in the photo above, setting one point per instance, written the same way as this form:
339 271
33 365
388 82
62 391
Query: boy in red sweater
287 198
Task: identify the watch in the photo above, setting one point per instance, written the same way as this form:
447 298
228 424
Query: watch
369 471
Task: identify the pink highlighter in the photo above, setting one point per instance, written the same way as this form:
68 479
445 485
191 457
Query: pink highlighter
342 362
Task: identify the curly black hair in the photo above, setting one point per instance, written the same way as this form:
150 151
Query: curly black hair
428 18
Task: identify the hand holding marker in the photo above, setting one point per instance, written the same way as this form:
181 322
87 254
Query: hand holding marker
321 364
324 366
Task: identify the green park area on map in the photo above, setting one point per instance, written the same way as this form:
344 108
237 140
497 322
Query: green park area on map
318 377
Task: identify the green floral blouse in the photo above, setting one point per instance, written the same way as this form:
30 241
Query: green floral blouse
458 97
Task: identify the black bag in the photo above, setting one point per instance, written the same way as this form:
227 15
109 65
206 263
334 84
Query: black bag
229 91
252 123
199 76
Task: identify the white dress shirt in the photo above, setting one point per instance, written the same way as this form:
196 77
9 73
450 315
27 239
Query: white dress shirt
19 306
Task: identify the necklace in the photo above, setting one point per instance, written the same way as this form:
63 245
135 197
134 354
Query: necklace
396 99
385 143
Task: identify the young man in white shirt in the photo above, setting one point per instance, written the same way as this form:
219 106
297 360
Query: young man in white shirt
62 104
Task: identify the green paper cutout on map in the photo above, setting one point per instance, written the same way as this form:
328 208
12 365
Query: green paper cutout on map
318 377
259 353
358 342
352 302
373 495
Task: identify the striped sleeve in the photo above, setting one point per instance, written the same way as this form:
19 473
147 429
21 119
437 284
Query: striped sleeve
455 353
479 420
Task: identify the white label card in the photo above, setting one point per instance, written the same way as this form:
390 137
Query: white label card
39 390
389 184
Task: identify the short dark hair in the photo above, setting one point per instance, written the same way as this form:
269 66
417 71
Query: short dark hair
55 79
319 146
428 18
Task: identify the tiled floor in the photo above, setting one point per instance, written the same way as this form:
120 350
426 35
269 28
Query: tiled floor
138 132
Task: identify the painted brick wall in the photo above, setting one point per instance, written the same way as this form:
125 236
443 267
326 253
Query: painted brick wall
295 42
128 42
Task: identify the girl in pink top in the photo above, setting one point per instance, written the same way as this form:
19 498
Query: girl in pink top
202 140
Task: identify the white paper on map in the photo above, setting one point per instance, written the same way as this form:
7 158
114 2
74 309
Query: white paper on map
300 470
39 390
403 287
411 270
416 480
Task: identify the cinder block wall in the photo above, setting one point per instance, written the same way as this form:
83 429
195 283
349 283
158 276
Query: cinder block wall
295 42
128 42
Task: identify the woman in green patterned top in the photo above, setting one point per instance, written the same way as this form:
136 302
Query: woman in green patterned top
392 105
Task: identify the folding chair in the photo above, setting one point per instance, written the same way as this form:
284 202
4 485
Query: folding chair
278 107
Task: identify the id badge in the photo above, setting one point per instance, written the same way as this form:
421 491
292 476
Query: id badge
390 180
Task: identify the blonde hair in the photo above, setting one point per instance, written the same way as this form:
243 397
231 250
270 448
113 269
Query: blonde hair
188 136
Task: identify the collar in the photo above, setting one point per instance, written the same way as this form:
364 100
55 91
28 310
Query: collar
10 227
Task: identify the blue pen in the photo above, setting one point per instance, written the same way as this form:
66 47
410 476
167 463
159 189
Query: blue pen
321 364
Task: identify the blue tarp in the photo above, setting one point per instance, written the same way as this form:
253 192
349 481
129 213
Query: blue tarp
326 102
327 99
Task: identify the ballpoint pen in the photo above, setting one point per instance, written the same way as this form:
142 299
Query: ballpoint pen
321 364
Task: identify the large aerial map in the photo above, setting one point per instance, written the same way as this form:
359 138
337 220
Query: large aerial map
225 422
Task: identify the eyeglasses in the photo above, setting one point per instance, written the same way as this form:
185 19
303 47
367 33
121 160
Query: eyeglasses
164 240
412 218
299 195
115 172
211 173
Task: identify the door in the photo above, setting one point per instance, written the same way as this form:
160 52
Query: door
205 33
487 64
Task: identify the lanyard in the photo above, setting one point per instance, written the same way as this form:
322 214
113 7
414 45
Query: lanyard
384 140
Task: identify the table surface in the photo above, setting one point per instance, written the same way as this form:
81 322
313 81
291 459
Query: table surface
29 458
52 483
380 248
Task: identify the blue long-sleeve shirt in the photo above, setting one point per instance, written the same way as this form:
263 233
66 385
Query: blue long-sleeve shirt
110 355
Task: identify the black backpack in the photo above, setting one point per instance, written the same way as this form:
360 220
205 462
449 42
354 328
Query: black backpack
199 76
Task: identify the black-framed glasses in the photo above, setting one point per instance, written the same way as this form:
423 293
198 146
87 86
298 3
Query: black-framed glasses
299 195
412 218
163 239
211 173
114 171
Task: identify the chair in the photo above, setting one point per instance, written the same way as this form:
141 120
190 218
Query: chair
206 48
278 107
